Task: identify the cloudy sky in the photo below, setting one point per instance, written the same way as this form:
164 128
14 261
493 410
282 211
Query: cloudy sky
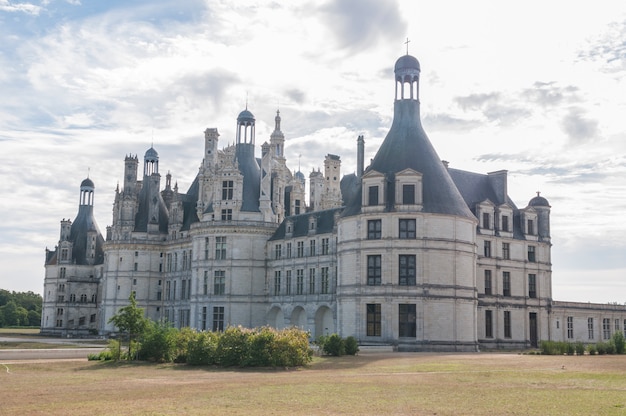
536 88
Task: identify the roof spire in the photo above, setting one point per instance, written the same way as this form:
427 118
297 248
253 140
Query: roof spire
407 45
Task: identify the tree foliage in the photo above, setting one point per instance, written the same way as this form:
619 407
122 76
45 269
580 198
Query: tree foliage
131 321
20 308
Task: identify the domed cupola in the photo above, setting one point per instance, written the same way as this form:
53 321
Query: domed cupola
86 192
539 201
245 127
151 162
407 72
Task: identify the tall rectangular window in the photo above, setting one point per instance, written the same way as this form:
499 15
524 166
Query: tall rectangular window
406 320
220 248
487 248
183 289
278 251
168 293
488 324
218 318
506 251
373 320
407 228
532 285
530 227
488 282
277 283
374 270
227 190
374 228
570 327
408 194
325 246
505 223
531 254
205 283
311 280
203 318
606 328
297 207
311 247
507 324
486 221
62 272
299 281
325 280
300 248
219 282
506 283
406 268
372 195
288 250
206 248
288 282
590 328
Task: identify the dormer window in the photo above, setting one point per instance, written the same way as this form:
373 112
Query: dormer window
486 221
530 227
505 223
227 190
372 195
408 194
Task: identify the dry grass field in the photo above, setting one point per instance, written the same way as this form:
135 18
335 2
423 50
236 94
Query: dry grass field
371 383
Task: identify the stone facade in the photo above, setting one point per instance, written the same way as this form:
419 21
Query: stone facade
407 251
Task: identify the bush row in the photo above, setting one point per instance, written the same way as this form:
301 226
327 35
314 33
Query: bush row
236 346
616 345
335 345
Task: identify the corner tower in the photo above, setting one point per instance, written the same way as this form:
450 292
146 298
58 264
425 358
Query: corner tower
410 258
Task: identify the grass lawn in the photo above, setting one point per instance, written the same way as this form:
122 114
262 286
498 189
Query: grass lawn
371 383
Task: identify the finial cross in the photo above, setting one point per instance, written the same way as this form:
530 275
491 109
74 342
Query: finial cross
407 45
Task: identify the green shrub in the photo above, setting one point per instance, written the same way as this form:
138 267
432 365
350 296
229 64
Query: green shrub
601 348
291 348
182 339
352 346
232 347
114 347
158 343
618 342
102 356
261 346
202 348
579 348
591 349
335 345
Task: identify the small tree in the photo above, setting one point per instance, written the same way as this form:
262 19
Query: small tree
130 320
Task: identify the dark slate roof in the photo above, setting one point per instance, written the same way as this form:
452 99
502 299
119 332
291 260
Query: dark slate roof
477 187
190 199
407 147
325 224
251 172
350 186
84 223
142 217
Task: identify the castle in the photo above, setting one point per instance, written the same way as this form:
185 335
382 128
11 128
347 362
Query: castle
406 252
